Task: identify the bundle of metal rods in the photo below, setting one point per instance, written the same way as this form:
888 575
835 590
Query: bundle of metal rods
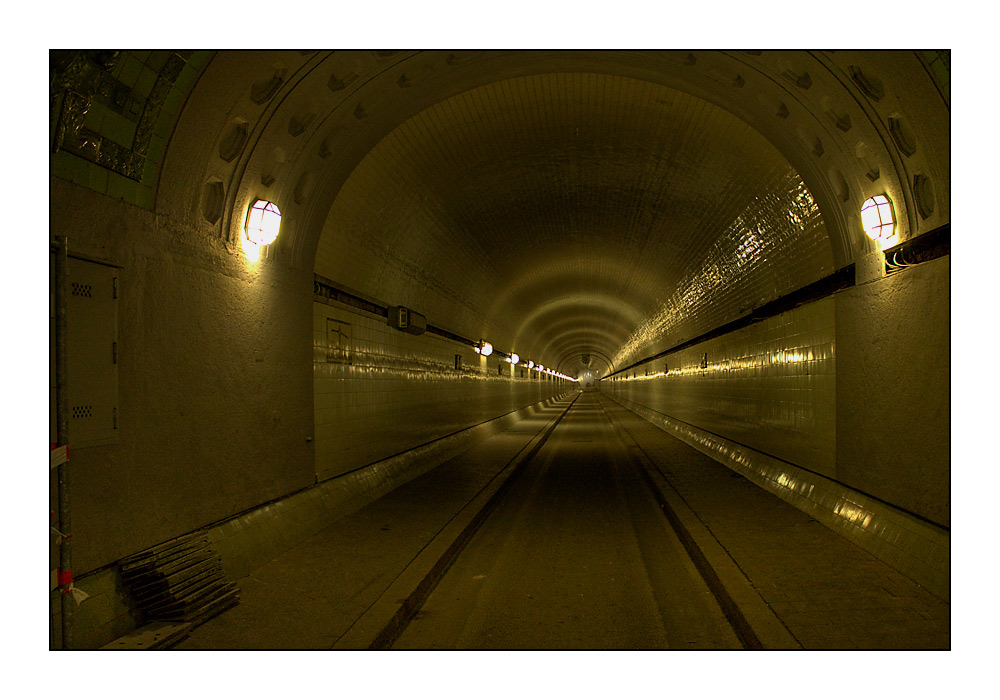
180 580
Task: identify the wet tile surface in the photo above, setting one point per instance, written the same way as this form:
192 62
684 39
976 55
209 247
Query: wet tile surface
830 593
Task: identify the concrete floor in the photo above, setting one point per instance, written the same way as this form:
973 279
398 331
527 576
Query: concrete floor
576 555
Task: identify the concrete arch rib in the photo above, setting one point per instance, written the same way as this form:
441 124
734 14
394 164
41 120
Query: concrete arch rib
351 87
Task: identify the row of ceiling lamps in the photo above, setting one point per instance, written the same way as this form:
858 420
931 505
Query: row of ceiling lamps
485 349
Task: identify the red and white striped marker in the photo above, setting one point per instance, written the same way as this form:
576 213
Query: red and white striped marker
58 454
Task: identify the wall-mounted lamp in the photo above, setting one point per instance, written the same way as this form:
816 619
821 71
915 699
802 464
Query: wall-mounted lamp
263 222
531 365
514 358
484 348
877 218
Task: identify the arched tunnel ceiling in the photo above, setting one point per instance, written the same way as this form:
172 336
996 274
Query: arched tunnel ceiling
563 214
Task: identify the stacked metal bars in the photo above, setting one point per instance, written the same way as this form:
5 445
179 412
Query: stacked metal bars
180 580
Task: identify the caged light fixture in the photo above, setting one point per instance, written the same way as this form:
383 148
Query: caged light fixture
878 220
263 222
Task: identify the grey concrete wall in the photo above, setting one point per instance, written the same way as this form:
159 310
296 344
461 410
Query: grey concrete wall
215 390
893 389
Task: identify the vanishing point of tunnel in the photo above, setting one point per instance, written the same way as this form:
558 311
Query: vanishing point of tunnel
553 349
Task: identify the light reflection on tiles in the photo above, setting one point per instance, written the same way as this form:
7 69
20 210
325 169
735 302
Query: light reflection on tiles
914 547
853 513
776 245
399 391
770 385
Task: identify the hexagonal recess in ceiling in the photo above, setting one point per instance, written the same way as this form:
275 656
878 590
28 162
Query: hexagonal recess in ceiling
902 134
923 195
265 88
213 198
233 139
869 83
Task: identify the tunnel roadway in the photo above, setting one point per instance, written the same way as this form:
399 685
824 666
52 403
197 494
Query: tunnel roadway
573 552
576 556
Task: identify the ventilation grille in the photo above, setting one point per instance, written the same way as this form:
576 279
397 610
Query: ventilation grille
82 411
81 290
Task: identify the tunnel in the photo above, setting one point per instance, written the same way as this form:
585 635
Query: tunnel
579 349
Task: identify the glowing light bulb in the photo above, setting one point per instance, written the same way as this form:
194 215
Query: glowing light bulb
514 358
878 221
263 222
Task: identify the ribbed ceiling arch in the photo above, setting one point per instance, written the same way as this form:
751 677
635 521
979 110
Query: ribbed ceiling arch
642 214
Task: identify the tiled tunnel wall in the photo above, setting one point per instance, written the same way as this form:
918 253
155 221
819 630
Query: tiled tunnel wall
380 392
215 390
840 407
770 386
818 385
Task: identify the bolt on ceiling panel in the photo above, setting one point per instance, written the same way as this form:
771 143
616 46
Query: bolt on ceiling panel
566 214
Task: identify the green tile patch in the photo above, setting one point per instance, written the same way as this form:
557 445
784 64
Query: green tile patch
109 105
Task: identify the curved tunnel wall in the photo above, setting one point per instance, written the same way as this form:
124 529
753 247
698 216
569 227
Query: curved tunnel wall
218 398
380 392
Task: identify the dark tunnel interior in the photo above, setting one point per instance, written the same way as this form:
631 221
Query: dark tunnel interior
513 349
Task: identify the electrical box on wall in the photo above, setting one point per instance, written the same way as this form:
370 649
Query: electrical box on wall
407 320
91 353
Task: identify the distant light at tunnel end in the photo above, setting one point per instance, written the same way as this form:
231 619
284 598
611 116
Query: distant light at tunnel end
878 220
263 222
